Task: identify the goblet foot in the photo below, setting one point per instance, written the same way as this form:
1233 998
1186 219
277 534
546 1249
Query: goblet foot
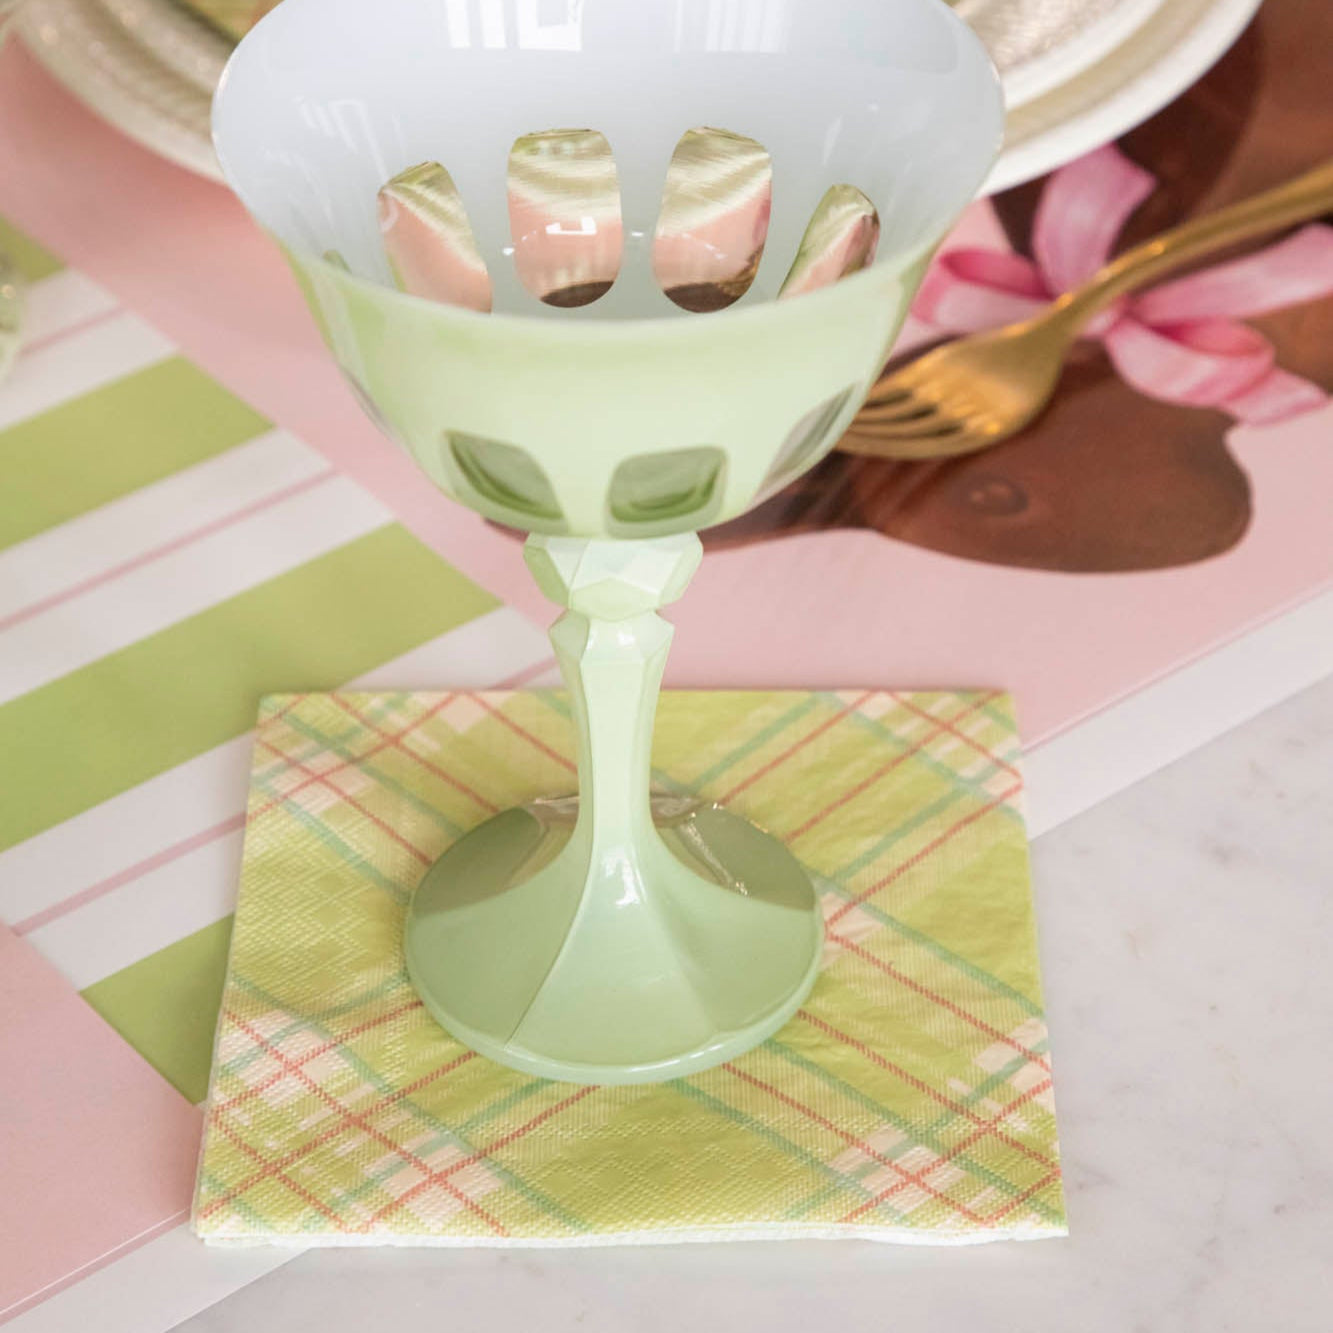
645 964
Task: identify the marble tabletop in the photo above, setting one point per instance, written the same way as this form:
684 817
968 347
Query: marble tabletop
1184 925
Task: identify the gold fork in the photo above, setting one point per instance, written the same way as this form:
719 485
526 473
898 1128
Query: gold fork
980 390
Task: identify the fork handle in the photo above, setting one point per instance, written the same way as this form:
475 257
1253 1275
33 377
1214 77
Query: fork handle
1298 200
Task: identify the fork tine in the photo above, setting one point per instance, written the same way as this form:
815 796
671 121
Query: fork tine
909 443
912 413
932 427
887 392
904 405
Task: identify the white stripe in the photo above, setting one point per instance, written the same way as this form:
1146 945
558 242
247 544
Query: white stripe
1164 721
205 791
62 301
125 831
48 376
145 915
488 649
184 583
152 1288
166 511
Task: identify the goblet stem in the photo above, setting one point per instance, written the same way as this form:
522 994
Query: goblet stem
612 648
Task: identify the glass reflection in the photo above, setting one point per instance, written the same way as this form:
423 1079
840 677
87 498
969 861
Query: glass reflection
714 219
428 239
841 239
564 215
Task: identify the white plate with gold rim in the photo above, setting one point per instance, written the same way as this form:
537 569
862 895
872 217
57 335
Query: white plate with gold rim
1178 43
149 67
1037 45
146 66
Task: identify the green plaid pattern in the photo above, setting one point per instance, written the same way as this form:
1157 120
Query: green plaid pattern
909 1099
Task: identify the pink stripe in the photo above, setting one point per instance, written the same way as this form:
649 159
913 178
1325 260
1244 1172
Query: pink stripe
778 760
536 741
68 1280
528 673
60 335
167 548
951 727
399 741
929 849
103 1148
130 873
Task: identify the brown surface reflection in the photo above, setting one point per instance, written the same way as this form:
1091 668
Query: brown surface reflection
1109 480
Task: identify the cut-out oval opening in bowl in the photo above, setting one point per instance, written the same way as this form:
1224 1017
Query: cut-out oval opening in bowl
428 239
564 215
326 100
713 223
841 239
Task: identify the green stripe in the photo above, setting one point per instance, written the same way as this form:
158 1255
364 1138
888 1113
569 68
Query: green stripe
32 261
447 1137
377 711
166 1006
211 1187
989 1085
765 734
915 1131
100 730
239 1063
113 440
926 815
942 952
344 850
975 785
489 1113
371 770
836 1179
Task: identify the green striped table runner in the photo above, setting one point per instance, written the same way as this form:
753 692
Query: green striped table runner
166 557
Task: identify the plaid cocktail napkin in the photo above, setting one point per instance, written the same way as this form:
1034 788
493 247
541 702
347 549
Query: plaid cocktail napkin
910 1099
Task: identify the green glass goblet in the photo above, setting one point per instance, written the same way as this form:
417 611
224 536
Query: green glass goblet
611 273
